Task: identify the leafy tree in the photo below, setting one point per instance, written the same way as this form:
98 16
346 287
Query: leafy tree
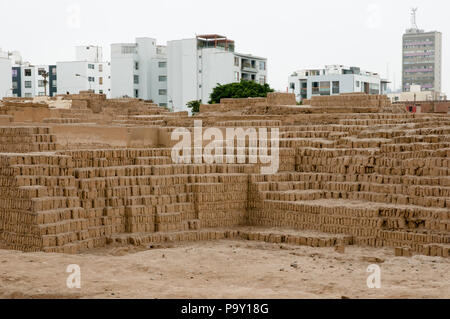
243 89
194 105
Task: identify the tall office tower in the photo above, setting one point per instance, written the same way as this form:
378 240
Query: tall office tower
422 58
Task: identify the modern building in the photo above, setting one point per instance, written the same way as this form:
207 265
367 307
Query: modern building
33 80
334 80
416 94
196 66
5 75
139 70
87 72
25 79
422 58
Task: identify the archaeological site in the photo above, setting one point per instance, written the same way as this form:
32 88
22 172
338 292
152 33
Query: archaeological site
80 172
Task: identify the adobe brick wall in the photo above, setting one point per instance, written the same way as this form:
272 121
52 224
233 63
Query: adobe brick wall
274 99
374 179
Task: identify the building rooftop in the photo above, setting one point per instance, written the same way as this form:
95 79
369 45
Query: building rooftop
215 41
334 69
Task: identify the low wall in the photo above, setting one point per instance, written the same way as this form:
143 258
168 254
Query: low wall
29 112
274 99
112 136
434 106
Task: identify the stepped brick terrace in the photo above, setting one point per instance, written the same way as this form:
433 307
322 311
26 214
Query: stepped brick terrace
81 172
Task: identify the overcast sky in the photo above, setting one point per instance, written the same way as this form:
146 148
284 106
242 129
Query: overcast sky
292 34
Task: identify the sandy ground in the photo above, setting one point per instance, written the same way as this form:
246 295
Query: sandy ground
224 269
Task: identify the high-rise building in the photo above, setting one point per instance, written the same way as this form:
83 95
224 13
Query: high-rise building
139 70
88 72
422 58
196 66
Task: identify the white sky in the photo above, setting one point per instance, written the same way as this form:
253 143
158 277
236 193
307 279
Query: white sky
292 34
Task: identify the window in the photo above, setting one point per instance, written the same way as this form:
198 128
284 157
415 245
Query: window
91 79
136 94
27 72
100 80
358 84
262 65
14 85
324 88
335 87
28 95
54 83
28 84
41 71
236 76
41 83
163 104
162 92
236 61
100 91
136 79
128 50
304 89
53 71
91 66
100 68
41 94
262 80
14 73
292 86
162 64
374 88
315 88
162 78
136 65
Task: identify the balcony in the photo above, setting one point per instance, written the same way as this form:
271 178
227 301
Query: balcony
247 67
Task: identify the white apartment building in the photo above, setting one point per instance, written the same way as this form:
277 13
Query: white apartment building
29 81
139 70
334 80
196 66
416 94
5 75
87 72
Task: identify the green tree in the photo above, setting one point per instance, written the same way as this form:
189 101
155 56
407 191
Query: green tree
243 89
194 105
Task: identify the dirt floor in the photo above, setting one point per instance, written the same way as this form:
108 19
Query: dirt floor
224 269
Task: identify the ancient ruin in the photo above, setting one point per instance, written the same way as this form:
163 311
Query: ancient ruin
79 172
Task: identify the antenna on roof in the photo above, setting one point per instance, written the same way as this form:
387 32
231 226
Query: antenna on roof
413 18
